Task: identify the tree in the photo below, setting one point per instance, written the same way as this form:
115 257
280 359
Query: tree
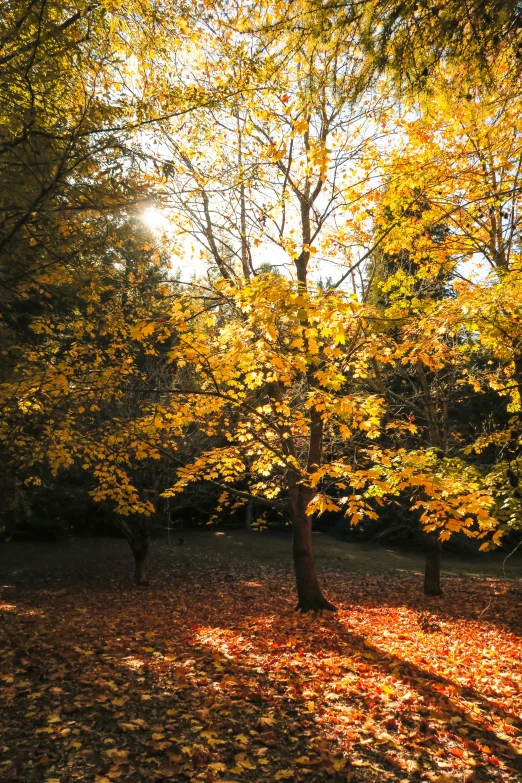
464 156
273 382
416 381
282 391
80 375
274 169
407 39
81 86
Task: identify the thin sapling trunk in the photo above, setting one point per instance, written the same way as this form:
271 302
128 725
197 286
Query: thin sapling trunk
432 566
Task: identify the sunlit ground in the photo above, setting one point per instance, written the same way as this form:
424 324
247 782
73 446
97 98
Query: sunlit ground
209 675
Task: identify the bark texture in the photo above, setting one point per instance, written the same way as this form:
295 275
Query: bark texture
432 567
249 511
309 595
140 549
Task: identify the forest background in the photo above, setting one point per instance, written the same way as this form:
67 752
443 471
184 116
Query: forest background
261 263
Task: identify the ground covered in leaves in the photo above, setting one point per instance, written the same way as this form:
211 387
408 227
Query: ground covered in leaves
208 674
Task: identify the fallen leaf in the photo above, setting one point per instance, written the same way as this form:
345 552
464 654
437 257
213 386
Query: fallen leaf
284 774
217 766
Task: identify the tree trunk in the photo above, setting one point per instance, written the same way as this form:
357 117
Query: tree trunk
517 359
431 541
249 512
140 548
309 595
432 567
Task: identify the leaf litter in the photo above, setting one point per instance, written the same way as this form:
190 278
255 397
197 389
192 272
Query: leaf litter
211 676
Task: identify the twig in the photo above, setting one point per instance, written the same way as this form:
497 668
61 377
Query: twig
508 556
486 607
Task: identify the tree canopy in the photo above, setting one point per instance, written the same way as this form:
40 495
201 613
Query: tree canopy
322 316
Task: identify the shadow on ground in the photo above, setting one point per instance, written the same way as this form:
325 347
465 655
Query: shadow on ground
209 675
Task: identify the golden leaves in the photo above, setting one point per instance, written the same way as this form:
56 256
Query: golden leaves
142 330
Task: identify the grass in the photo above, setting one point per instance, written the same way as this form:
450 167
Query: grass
240 546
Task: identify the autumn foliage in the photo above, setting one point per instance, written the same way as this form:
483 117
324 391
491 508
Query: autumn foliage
260 265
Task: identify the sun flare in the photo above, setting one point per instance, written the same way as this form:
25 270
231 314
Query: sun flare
154 219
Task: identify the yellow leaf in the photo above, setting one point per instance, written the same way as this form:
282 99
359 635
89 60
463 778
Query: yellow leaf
243 762
284 774
217 766
141 330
